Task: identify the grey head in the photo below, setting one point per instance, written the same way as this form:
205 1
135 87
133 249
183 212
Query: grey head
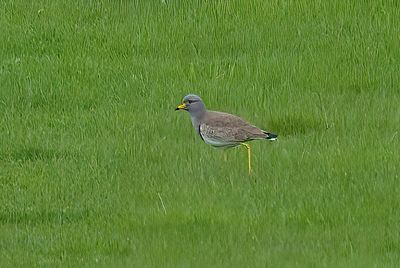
196 108
194 105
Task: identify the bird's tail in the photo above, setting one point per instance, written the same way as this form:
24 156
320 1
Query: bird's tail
270 136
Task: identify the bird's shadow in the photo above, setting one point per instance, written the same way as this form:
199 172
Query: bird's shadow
296 125
31 153
33 217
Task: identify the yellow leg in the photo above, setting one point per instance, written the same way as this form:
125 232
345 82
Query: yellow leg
248 155
225 156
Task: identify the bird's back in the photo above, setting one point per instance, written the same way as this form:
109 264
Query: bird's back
228 128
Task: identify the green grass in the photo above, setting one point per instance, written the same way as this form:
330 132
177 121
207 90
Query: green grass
96 168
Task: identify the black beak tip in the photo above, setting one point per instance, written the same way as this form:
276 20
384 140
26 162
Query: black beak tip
176 109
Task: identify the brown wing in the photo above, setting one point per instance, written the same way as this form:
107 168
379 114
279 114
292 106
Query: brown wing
229 127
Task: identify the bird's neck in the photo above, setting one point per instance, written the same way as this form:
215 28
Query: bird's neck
197 118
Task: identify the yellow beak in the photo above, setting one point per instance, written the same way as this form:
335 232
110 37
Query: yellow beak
180 107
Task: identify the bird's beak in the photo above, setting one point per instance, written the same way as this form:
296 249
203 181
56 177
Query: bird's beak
181 107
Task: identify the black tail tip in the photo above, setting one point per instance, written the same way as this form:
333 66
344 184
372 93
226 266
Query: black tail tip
271 136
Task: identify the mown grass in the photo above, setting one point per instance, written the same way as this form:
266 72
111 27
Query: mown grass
97 169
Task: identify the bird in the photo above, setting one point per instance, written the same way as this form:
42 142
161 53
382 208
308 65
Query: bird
222 130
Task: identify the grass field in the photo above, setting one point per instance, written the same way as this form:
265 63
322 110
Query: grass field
97 169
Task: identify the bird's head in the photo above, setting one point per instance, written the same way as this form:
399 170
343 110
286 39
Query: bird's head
193 104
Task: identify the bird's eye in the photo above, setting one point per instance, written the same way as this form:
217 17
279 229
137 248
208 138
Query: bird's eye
190 101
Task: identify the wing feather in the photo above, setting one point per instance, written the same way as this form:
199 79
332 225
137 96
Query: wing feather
229 128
